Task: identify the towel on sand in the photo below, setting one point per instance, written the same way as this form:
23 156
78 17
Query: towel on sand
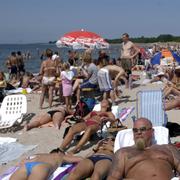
11 150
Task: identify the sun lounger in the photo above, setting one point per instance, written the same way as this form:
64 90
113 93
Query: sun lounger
124 137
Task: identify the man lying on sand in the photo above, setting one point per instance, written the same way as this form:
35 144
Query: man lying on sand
41 166
145 160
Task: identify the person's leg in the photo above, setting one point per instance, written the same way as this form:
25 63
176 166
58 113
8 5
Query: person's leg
57 119
78 94
42 96
83 169
61 98
51 88
105 95
87 134
76 84
167 91
175 92
38 121
70 103
157 78
20 174
171 90
66 102
101 169
112 95
76 128
172 104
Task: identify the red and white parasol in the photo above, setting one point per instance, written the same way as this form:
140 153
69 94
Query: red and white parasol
82 40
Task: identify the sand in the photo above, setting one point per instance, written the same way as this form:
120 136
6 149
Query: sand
48 138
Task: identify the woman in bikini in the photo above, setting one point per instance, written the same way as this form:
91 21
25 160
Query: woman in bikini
48 71
90 124
56 116
41 166
97 165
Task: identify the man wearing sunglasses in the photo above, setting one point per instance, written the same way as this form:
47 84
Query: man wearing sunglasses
145 160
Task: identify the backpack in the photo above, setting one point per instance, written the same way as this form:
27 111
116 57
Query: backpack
174 129
84 106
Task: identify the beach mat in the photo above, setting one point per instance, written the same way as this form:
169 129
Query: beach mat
11 150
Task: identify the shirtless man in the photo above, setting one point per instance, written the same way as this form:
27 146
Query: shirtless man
20 64
105 75
48 71
13 66
116 74
128 53
145 160
41 166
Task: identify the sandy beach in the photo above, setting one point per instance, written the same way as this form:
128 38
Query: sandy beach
47 138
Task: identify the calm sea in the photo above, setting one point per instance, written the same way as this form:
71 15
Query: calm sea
35 51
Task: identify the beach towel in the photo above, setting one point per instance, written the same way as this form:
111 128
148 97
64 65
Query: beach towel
7 174
18 90
11 150
124 113
61 172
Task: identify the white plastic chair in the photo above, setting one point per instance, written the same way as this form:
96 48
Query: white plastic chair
12 109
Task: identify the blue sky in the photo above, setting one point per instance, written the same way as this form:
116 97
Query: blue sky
28 21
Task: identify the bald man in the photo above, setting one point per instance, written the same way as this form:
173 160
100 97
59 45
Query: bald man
145 160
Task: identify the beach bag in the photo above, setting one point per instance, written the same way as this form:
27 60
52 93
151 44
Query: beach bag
84 107
174 129
90 102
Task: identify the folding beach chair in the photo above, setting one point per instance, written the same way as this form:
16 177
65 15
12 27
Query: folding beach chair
150 104
12 110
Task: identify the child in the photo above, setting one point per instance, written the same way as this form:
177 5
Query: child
67 77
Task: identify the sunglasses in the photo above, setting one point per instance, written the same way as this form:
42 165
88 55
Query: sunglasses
141 129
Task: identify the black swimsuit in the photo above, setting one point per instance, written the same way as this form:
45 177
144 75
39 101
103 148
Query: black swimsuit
98 157
52 112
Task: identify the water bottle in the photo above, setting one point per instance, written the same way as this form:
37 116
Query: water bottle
130 81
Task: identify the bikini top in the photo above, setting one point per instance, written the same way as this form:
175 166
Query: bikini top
93 113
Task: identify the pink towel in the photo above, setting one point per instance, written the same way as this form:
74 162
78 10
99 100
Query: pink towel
123 113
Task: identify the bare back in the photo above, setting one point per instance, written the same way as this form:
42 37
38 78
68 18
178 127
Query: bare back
114 70
48 68
13 61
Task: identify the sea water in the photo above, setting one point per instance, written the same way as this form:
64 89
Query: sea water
33 63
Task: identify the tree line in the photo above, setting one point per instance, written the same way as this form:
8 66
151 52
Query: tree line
142 39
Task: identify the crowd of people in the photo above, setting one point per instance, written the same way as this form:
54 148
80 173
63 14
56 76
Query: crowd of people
144 160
